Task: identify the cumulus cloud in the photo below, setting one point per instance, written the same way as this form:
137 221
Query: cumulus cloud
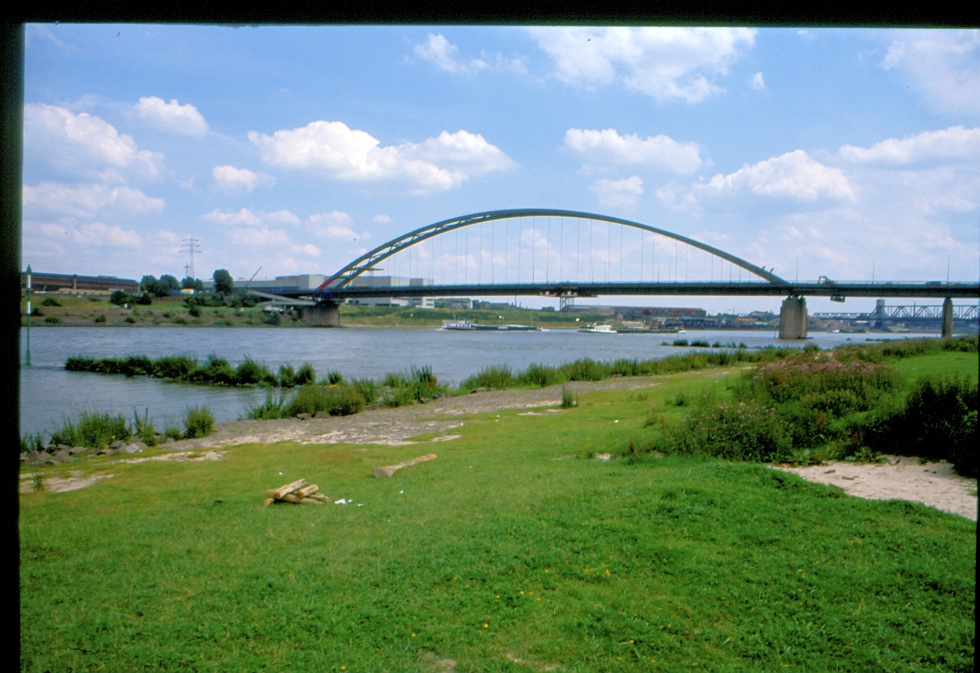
619 193
943 65
440 52
660 152
84 145
172 116
665 63
678 198
757 82
86 200
793 175
335 150
251 218
336 225
952 143
92 235
237 179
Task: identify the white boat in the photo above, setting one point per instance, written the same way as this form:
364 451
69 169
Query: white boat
457 324
595 328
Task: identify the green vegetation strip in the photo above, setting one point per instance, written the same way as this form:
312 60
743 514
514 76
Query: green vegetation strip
510 552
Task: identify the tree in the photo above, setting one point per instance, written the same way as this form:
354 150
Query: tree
148 284
166 285
223 282
195 284
119 297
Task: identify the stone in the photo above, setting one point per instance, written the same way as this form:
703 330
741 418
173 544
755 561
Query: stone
169 440
135 447
64 447
321 414
78 450
481 389
62 455
116 444
106 451
49 447
304 416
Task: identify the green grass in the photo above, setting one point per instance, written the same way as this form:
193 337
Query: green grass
506 546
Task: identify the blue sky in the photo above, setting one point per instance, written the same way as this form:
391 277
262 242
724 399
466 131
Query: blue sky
837 152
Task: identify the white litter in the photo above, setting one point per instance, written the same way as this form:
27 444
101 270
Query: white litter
360 504
341 502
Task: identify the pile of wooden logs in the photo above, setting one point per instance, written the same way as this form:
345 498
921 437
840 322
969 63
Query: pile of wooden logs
297 492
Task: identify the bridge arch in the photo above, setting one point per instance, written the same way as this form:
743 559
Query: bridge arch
371 259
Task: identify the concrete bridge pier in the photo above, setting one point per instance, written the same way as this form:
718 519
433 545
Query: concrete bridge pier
324 314
793 318
947 318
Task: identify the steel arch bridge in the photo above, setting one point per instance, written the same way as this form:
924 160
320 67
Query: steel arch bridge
345 276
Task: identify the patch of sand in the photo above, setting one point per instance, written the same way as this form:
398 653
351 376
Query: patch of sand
59 484
901 478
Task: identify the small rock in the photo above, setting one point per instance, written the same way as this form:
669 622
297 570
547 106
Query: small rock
169 440
49 447
106 451
829 471
603 456
481 389
849 478
425 400
78 450
116 444
304 416
63 454
64 447
894 461
321 414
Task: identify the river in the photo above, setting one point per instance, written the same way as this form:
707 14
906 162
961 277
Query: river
48 393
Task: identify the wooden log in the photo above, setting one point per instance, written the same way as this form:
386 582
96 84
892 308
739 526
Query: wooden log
389 470
308 491
320 496
286 489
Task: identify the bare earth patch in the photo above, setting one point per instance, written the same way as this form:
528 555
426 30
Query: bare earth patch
180 456
901 478
59 484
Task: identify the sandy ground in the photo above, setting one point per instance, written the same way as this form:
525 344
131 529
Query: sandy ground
60 485
901 478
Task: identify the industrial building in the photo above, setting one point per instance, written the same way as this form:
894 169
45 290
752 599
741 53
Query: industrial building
62 282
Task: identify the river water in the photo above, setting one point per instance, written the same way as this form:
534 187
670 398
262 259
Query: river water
48 393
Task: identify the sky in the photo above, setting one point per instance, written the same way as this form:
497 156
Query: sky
847 153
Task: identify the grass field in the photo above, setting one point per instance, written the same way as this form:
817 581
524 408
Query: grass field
513 551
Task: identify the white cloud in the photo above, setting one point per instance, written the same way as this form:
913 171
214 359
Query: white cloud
665 63
84 145
172 116
335 225
234 179
619 193
944 65
86 200
793 175
443 54
677 198
334 149
952 143
251 218
93 235
383 219
661 152
757 82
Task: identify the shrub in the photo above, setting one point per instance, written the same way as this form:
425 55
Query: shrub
176 367
52 320
31 443
179 321
306 375
173 432
273 318
143 428
99 318
119 297
700 344
272 408
488 377
680 342
145 299
334 378
136 365
395 380
287 376
368 389
92 430
194 311
130 319
250 372
198 421
50 301
748 432
586 369
567 398
337 401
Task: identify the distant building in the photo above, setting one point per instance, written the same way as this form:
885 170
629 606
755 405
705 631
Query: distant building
59 282
302 283
453 302
392 281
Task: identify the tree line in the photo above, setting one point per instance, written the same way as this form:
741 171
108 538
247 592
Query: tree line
223 293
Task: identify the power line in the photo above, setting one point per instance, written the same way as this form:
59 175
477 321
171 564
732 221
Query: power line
191 245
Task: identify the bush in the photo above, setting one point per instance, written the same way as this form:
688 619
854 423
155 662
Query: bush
143 428
567 398
394 380
700 344
194 311
287 376
176 367
747 432
179 321
173 432
99 318
680 342
145 299
274 407
273 318
334 378
50 301
120 297
52 320
136 365
250 372
306 375
198 421
130 319
938 421
92 430
341 400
